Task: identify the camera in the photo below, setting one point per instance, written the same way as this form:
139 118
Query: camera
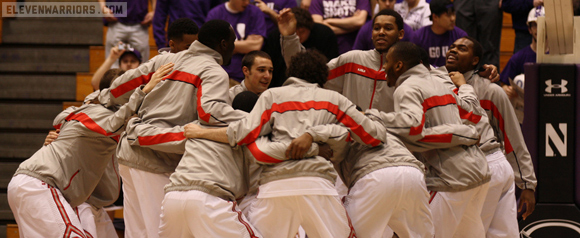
124 46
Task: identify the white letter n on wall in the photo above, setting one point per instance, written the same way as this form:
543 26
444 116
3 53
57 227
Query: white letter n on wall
558 142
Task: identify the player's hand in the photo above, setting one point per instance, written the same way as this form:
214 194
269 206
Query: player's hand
286 22
490 72
108 15
52 135
263 7
115 52
509 90
325 151
457 78
192 131
148 19
157 76
305 4
527 197
299 146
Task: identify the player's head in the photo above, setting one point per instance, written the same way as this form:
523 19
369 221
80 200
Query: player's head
245 101
532 21
387 29
218 35
424 58
109 77
130 59
309 65
257 68
386 4
463 55
442 14
238 5
181 33
400 57
304 23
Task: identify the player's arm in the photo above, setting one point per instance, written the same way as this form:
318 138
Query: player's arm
113 123
168 140
251 43
122 88
408 122
214 104
443 137
289 41
336 75
159 21
349 24
270 152
240 132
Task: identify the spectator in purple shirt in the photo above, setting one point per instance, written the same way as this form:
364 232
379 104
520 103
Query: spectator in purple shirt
437 38
250 28
519 10
131 29
363 39
270 8
515 65
344 17
171 10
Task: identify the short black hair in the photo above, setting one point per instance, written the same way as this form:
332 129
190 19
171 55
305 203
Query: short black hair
245 101
477 49
390 12
424 57
180 27
213 32
309 65
303 18
407 52
249 58
109 77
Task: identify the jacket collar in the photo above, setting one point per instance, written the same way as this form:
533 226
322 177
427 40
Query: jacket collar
198 48
298 82
469 76
417 70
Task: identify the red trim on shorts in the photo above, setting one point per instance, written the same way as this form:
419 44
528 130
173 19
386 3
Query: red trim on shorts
70 228
432 194
240 218
71 178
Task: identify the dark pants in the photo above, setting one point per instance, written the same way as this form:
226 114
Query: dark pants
482 19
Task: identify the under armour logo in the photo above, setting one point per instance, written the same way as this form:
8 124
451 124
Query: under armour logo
561 86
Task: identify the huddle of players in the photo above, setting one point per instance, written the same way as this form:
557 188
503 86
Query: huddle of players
454 123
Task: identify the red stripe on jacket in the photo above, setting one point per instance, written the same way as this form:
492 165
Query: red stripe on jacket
130 85
488 105
356 69
261 156
464 114
195 81
341 117
429 103
88 123
161 138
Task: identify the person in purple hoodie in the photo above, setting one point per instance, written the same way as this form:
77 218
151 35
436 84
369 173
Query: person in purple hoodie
250 28
344 17
171 10
363 39
437 38
270 8
131 29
